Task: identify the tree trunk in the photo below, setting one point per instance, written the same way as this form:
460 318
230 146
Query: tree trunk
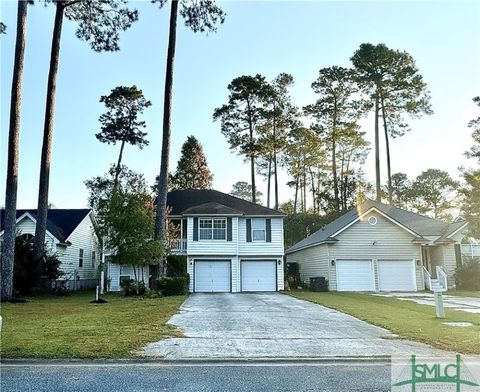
8 249
312 178
269 181
377 153
387 146
167 123
42 208
275 152
252 173
304 203
275 166
119 162
295 200
334 162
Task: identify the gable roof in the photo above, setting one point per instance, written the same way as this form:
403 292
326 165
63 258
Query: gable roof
418 225
208 201
60 222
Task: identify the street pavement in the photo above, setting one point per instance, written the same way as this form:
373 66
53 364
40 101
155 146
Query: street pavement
150 377
273 325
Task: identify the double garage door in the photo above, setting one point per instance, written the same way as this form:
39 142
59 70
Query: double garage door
359 275
214 276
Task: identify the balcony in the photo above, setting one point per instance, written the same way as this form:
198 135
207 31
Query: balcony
179 246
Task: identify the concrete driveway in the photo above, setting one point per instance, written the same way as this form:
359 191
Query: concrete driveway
465 304
273 325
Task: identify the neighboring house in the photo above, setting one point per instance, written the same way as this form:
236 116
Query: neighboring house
116 273
232 245
70 235
377 247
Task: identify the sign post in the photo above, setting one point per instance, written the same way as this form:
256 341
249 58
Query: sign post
439 304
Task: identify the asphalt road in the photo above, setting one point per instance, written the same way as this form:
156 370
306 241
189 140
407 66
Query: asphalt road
299 377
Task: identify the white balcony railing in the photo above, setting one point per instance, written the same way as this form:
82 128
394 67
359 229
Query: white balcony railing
179 246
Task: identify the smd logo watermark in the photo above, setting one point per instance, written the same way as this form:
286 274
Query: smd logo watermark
424 374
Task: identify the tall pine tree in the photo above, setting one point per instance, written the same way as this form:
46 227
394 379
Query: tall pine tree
192 170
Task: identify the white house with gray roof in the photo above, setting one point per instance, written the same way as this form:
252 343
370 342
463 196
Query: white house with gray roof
377 247
230 244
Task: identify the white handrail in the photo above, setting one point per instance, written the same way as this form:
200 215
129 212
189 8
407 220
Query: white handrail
427 278
442 277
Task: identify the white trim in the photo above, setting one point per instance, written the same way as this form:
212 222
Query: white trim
456 231
323 242
379 212
26 214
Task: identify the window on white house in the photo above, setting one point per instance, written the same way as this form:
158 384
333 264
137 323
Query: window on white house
80 258
258 229
94 258
213 229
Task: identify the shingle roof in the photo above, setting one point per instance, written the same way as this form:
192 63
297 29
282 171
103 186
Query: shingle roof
421 225
211 208
181 201
60 222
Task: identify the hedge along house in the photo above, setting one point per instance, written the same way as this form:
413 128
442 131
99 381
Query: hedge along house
377 247
231 245
71 236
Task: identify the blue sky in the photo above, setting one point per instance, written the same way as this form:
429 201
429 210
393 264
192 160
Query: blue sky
263 37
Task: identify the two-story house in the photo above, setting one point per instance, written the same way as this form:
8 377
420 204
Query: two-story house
232 245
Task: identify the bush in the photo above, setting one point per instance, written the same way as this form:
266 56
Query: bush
131 287
467 276
174 286
25 271
176 266
152 294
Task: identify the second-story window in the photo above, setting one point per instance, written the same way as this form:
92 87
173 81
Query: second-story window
213 229
80 258
258 230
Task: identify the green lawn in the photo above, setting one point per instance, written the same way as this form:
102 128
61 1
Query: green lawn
404 318
71 327
464 293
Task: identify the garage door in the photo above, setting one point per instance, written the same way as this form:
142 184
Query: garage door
259 275
355 275
212 276
396 275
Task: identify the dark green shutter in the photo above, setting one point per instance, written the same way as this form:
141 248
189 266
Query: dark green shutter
229 229
249 230
458 255
195 229
268 225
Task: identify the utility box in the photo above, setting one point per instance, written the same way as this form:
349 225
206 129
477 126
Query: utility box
318 283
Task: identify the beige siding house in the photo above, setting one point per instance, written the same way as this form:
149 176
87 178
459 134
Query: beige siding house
381 248
71 236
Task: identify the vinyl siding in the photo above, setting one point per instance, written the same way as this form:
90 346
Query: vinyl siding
211 247
83 237
312 262
115 271
261 248
391 242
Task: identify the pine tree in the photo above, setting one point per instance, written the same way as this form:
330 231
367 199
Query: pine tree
192 170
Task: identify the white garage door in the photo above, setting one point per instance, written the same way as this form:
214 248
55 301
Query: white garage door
355 275
212 276
396 275
259 275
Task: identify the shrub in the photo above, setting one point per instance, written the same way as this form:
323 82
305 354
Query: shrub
467 276
131 287
25 271
174 286
176 265
152 294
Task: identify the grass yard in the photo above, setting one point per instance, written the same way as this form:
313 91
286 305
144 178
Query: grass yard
404 318
71 327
